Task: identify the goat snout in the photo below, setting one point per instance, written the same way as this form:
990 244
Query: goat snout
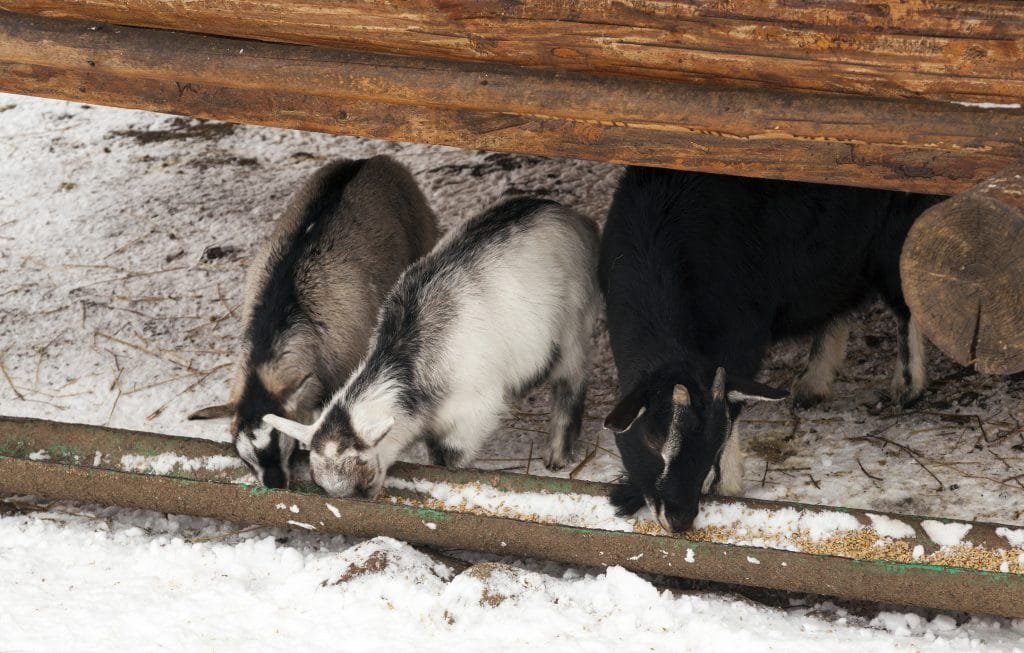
351 475
676 522
275 478
673 520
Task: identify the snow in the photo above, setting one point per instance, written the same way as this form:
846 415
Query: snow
773 528
942 534
990 105
168 463
124 237
1015 536
568 509
138 591
889 527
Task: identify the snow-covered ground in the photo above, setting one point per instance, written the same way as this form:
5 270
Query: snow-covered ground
124 237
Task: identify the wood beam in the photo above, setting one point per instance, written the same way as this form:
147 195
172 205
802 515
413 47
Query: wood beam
947 50
914 146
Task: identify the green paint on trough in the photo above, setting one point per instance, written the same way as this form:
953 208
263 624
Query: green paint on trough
429 513
13 447
893 567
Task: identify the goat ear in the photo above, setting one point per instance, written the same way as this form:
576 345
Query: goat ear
301 432
629 408
718 385
213 412
680 396
374 433
740 390
304 391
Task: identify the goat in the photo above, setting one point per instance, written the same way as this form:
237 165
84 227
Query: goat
700 274
312 296
506 301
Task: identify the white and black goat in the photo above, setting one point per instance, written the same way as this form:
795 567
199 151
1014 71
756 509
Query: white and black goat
506 301
701 273
312 297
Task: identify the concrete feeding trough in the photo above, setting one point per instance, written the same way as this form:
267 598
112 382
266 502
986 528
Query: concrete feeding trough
968 566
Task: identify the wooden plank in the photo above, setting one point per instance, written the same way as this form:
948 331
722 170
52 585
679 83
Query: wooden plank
951 50
914 146
963 274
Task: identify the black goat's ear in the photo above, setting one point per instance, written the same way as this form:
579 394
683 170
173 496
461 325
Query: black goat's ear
718 385
627 410
741 390
680 396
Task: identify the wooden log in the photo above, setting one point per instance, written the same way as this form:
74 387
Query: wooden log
963 274
964 51
914 146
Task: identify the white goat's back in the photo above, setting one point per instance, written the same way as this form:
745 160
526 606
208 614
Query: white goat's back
519 304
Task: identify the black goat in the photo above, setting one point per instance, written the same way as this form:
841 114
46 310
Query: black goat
701 273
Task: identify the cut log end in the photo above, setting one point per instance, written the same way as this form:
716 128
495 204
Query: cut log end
963 274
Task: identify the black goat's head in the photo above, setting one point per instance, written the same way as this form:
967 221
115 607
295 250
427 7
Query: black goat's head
671 430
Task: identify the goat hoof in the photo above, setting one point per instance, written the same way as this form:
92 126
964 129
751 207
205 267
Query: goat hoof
807 393
809 401
904 397
553 462
804 397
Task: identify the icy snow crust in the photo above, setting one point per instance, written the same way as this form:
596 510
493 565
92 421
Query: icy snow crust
124 237
889 527
945 534
168 463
